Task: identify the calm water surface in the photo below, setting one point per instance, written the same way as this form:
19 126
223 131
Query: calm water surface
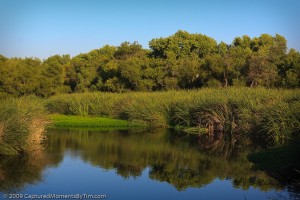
138 165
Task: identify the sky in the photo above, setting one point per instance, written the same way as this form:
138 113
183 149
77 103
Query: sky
42 28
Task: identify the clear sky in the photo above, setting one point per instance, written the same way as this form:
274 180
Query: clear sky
41 28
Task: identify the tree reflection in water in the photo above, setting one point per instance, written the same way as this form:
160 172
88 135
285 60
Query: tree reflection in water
181 160
16 171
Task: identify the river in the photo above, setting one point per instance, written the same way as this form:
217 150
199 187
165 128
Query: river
137 165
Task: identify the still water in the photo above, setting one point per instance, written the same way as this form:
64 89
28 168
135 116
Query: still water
137 165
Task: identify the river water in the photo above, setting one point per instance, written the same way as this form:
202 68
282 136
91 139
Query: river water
137 165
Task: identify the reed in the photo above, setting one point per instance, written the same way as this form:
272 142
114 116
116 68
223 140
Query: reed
22 123
272 114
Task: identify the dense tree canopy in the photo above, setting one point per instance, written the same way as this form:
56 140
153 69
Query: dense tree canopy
180 61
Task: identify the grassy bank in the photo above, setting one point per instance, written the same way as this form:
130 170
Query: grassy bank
270 114
92 122
267 114
22 123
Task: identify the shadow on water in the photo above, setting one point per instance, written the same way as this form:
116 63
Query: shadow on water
283 164
181 160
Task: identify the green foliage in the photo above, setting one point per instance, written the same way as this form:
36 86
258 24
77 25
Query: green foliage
182 44
20 76
179 61
54 73
261 71
290 70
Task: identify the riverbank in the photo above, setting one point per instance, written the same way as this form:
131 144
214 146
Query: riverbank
267 114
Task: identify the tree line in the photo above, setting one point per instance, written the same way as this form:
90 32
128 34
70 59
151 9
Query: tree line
180 61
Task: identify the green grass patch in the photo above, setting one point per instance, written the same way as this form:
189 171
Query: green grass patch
91 121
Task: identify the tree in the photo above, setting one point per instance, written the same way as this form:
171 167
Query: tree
244 42
189 73
127 50
131 73
290 70
261 71
88 68
215 68
3 59
54 75
182 44
20 76
235 61
84 72
180 61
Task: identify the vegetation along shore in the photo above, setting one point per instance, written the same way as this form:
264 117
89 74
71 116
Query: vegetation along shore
258 111
188 82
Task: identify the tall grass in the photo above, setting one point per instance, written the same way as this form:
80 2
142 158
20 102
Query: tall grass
22 123
272 114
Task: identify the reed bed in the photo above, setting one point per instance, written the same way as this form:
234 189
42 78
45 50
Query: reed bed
271 114
22 123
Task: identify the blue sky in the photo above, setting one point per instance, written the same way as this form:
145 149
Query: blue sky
41 28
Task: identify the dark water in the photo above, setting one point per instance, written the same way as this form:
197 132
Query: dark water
138 165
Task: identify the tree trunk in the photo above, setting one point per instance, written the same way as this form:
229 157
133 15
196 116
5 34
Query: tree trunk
252 83
225 79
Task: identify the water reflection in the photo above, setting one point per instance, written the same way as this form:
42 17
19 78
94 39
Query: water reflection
16 171
183 161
